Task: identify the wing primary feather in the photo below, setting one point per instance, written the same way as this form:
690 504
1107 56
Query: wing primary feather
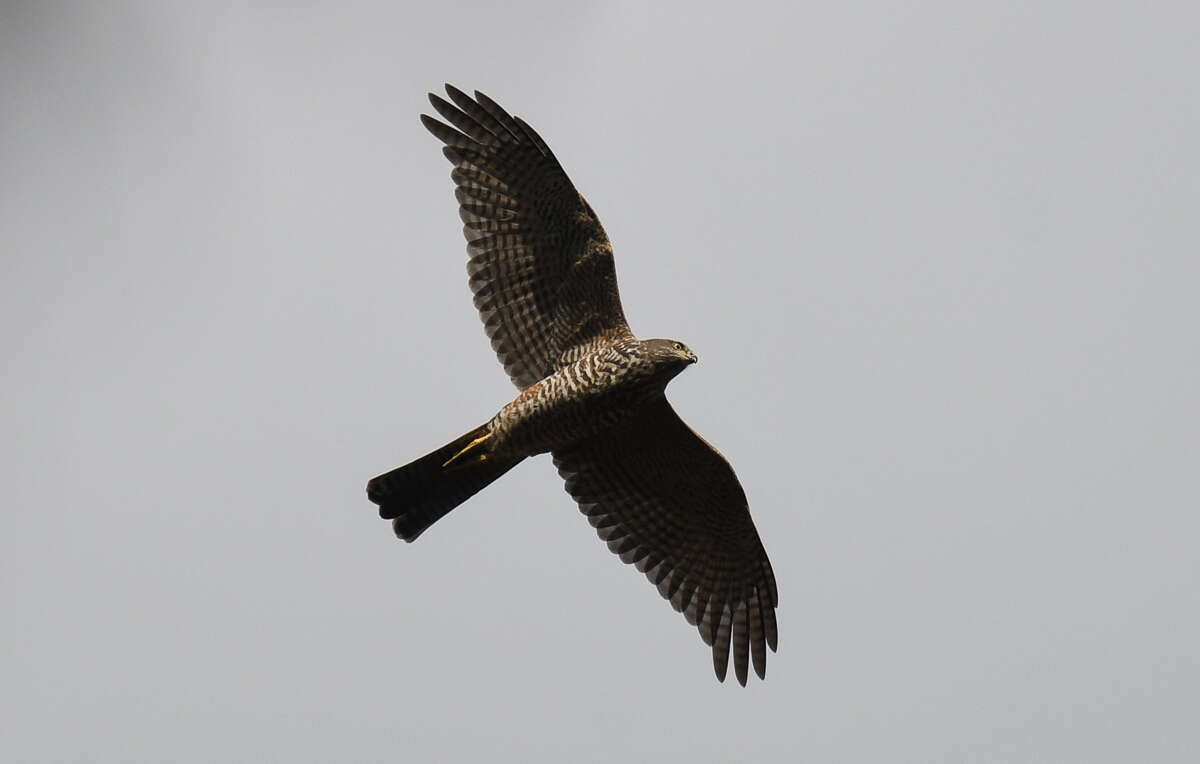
461 120
768 576
499 114
758 648
771 628
449 136
720 644
478 113
535 138
740 640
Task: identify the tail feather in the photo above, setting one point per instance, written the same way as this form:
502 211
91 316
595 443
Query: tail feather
422 492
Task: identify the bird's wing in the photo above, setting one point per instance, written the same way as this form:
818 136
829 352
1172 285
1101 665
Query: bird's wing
540 264
669 503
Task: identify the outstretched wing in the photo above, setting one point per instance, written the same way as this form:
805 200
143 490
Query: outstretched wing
669 503
540 263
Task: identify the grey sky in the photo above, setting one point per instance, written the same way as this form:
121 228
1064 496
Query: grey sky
939 261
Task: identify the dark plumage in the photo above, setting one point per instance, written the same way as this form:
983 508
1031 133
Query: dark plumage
592 394
420 493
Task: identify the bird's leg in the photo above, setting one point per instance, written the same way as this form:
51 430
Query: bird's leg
469 449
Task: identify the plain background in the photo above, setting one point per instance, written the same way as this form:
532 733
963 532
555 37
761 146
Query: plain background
939 261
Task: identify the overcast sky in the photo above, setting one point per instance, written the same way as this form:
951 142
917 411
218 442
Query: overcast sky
940 263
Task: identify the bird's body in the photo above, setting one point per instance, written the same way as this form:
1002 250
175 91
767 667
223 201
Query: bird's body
592 394
588 395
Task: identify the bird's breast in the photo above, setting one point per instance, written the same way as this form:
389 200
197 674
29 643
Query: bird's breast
576 401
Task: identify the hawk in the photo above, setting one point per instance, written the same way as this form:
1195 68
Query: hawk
591 393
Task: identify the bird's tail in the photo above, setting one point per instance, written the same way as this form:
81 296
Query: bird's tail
420 493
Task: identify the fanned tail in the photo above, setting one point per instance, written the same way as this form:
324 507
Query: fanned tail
422 492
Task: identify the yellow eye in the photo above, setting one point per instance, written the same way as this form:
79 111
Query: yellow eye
679 346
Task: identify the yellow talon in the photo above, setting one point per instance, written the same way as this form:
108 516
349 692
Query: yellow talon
468 449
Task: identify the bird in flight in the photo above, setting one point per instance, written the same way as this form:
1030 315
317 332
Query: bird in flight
591 393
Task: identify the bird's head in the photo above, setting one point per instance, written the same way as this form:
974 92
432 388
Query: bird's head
671 354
